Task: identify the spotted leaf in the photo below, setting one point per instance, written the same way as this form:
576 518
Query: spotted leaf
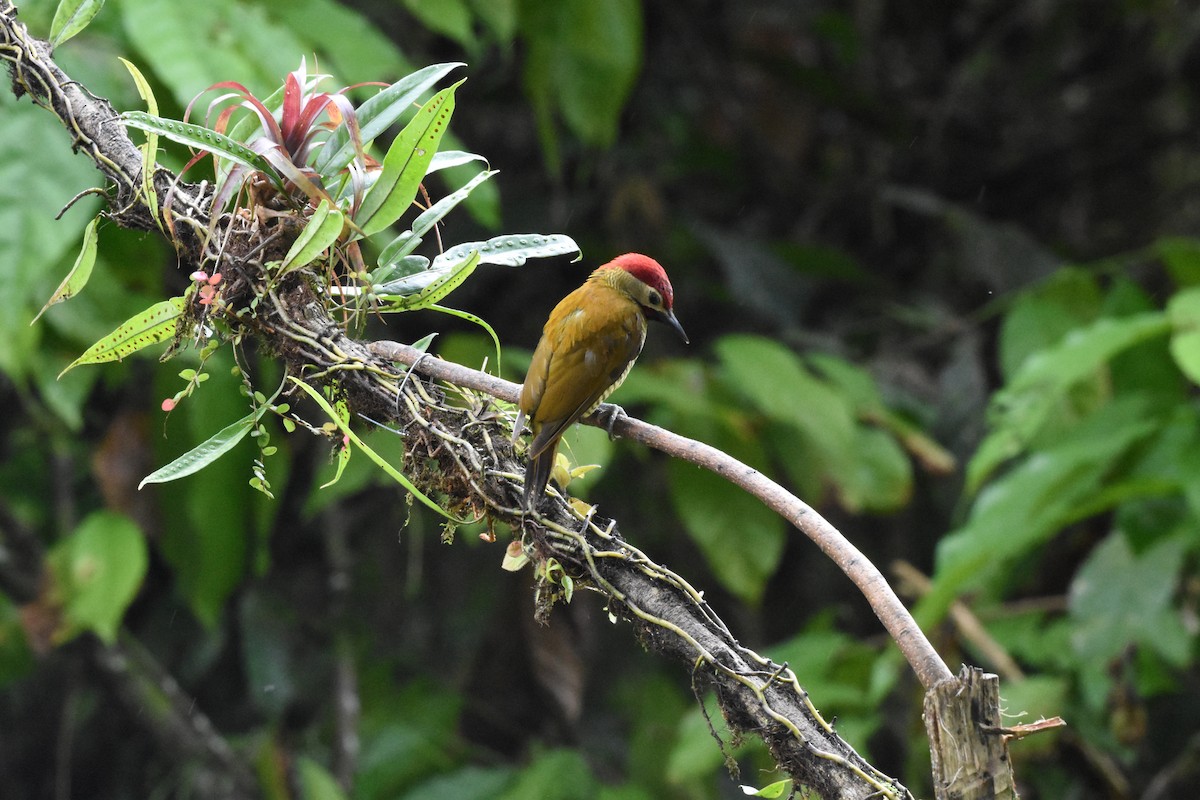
153 325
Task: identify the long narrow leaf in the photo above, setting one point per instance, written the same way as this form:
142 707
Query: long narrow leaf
257 108
150 150
202 138
343 454
446 159
156 323
399 249
399 268
70 18
283 166
511 250
434 214
469 317
248 128
378 114
77 278
405 243
204 453
405 164
434 284
391 471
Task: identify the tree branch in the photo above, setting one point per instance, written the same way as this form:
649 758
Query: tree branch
90 120
928 666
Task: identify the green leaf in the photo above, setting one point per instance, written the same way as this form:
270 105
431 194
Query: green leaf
694 755
409 732
1025 406
165 33
204 453
320 233
711 507
1182 258
484 203
1084 350
834 667
40 173
406 163
150 149
1043 315
500 16
343 453
398 268
777 383
219 521
1145 367
554 775
424 289
448 17
881 478
1044 492
454 312
71 17
391 471
1120 597
66 398
16 659
316 782
345 40
1184 312
77 278
98 570
583 58
201 138
511 250
156 323
379 113
408 241
465 783
776 789
449 159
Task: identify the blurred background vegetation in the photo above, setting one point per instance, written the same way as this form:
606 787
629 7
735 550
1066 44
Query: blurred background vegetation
938 269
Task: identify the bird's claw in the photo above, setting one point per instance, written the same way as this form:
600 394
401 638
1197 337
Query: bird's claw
608 414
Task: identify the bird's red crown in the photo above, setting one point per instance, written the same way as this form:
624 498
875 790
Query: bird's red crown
648 271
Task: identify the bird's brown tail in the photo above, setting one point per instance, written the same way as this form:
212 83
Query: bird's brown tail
537 475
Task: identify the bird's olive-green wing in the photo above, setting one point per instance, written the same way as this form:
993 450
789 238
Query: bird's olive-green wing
587 349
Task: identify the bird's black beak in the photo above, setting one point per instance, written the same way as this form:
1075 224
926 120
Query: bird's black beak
668 317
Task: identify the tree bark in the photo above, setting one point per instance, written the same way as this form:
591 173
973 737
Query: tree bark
968 746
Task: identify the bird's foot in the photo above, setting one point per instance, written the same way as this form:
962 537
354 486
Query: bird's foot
608 414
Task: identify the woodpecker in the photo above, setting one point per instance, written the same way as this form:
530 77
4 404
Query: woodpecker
587 348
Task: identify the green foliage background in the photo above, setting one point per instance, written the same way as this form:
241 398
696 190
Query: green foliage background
897 233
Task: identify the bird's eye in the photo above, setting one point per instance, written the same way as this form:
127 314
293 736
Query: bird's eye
655 298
